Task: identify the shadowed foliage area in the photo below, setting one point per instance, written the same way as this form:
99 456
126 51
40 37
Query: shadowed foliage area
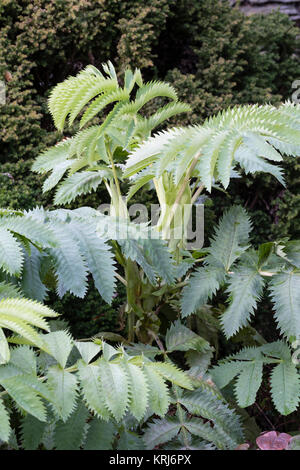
212 53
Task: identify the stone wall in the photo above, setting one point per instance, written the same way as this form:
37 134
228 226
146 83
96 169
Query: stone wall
290 7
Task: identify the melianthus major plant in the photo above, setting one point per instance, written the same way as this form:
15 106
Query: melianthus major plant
62 387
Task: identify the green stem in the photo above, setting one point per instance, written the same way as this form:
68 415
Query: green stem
44 377
180 193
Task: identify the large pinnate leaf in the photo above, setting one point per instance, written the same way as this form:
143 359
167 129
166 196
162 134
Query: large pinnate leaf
253 163
138 243
25 395
52 158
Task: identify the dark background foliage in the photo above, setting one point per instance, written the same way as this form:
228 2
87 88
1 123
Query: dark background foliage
212 53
